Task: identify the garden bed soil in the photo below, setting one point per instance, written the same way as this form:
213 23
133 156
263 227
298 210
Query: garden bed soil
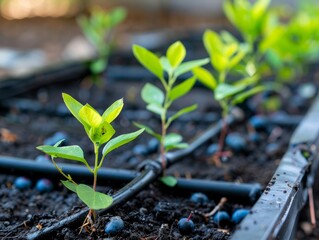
154 212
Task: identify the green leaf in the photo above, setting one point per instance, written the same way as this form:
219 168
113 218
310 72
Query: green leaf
172 138
120 140
69 185
205 77
212 42
181 112
148 130
182 89
176 145
259 9
113 111
103 133
152 94
243 96
165 64
176 54
229 11
94 200
188 66
155 109
98 66
149 60
169 181
219 62
90 116
117 16
247 81
224 90
69 152
74 107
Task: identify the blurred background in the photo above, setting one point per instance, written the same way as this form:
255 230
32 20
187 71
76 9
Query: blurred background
37 33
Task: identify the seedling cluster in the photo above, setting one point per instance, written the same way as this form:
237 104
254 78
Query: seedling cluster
270 47
100 132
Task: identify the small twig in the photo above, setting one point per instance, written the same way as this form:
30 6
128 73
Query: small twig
312 208
217 208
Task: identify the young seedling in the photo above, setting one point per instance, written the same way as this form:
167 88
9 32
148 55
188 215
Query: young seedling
98 30
100 131
159 101
225 54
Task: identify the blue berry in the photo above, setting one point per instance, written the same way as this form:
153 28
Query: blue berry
114 226
221 218
200 198
185 226
258 122
254 137
272 148
212 149
58 136
153 145
44 185
236 142
140 150
22 183
239 215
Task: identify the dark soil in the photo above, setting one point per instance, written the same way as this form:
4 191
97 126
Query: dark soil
154 213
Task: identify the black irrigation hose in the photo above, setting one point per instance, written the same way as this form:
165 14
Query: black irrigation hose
275 214
33 106
152 170
13 86
243 193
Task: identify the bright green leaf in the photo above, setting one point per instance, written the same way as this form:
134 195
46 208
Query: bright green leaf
205 77
149 60
169 181
212 42
259 8
103 133
74 107
182 89
94 200
152 94
219 62
69 185
69 152
181 112
176 54
90 116
148 130
188 66
113 111
120 140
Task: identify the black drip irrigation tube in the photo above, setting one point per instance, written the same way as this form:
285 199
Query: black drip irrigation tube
243 193
275 214
151 170
13 86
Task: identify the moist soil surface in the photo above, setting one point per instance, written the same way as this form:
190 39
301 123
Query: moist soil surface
154 212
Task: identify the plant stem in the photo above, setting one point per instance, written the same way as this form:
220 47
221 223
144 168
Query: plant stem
96 153
162 147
